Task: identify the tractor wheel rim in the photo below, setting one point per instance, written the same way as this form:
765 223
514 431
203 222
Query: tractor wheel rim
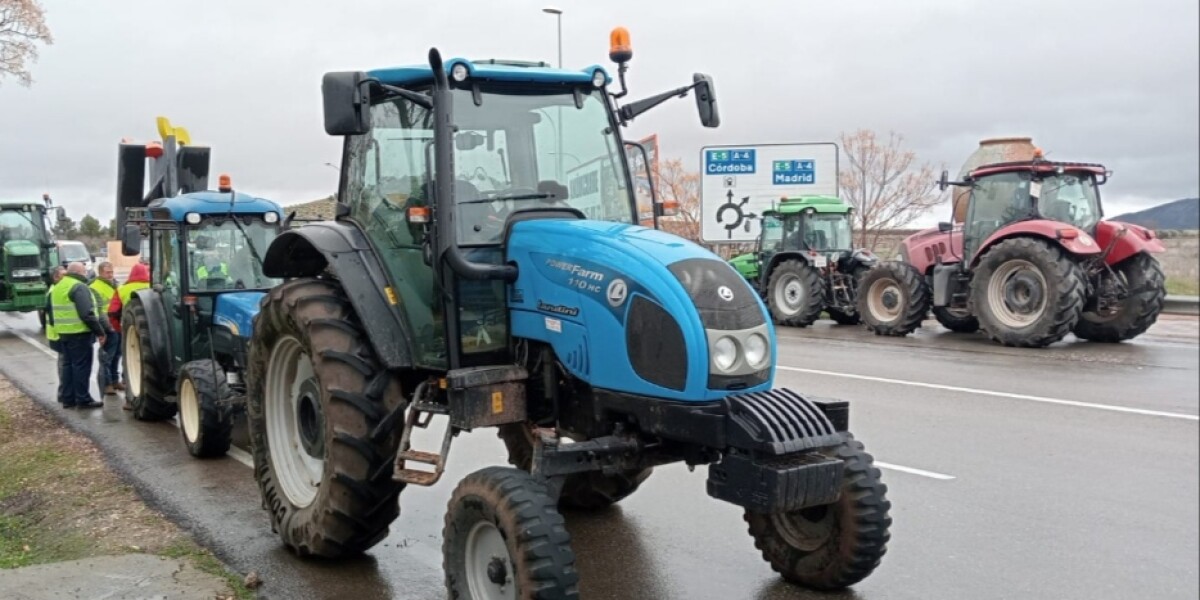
287 406
807 529
489 567
789 294
133 362
1017 293
885 300
189 410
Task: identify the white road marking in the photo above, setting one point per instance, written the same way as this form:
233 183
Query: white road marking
241 456
32 341
1026 397
912 471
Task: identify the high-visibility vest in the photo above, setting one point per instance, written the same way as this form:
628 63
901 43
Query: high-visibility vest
102 292
126 290
51 330
66 318
202 271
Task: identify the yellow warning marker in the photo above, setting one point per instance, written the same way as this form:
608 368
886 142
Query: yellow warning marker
497 403
165 130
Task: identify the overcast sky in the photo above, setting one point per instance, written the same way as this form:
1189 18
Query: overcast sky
1108 81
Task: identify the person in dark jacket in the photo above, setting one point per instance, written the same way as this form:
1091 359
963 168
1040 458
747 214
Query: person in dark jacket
72 312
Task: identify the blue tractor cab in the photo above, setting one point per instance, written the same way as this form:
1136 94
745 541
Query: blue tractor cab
185 334
486 266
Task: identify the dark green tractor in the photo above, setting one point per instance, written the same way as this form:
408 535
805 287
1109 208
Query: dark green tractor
27 253
805 262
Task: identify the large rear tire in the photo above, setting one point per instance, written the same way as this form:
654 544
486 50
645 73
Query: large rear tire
836 545
504 539
795 293
1026 292
316 392
145 387
958 320
893 299
1147 287
205 418
590 490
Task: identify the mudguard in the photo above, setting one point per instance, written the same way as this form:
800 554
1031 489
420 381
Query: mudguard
1082 244
1135 239
160 344
343 249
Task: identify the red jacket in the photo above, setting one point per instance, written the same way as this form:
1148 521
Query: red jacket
139 274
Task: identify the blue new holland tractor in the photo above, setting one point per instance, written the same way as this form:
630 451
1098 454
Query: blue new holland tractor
185 334
485 266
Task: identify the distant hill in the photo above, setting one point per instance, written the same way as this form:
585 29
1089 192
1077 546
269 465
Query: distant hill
1180 214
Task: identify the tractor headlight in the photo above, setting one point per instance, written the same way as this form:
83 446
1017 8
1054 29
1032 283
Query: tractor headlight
756 350
725 353
192 218
459 72
599 78
26 273
270 217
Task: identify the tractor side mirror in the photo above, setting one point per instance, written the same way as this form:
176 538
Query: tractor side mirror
347 103
706 100
944 182
945 227
131 241
61 214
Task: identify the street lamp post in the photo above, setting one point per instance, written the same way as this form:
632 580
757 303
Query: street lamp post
557 12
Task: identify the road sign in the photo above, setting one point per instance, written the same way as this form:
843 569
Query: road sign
740 182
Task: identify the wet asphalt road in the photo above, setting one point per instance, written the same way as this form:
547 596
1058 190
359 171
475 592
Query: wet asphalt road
1065 473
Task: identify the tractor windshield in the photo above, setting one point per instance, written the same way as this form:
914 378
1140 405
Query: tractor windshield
22 224
827 231
220 257
517 150
1070 198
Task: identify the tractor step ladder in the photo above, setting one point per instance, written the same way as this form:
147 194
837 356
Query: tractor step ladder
421 415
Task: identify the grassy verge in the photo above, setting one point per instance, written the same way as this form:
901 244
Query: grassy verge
59 501
1183 287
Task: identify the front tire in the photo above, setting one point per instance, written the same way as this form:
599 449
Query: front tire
316 392
795 293
504 538
589 490
893 299
1147 293
145 387
205 420
836 545
1027 292
958 320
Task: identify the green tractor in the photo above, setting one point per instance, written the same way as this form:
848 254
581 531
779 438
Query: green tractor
805 262
27 253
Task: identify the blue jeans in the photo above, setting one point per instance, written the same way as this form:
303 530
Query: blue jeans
110 359
77 372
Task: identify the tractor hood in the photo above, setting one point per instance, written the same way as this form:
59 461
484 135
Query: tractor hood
21 248
236 311
635 310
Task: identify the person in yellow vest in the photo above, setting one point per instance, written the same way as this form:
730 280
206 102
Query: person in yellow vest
56 275
139 279
104 287
72 314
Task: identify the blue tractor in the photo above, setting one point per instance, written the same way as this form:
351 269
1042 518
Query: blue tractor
185 334
485 266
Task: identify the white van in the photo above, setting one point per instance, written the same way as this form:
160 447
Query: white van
70 251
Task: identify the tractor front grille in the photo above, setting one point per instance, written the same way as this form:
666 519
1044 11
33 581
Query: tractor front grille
24 262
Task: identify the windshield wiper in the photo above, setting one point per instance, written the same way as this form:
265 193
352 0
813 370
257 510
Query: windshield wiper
253 250
512 197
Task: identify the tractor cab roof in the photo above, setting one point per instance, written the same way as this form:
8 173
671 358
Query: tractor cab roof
1037 166
489 70
211 203
820 204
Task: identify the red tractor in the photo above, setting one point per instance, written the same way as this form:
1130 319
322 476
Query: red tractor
1031 262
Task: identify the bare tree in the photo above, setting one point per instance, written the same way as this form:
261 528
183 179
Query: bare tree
22 27
675 183
882 183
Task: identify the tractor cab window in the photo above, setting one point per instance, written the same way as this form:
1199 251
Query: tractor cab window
1070 198
772 233
519 150
222 256
827 232
21 224
996 201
